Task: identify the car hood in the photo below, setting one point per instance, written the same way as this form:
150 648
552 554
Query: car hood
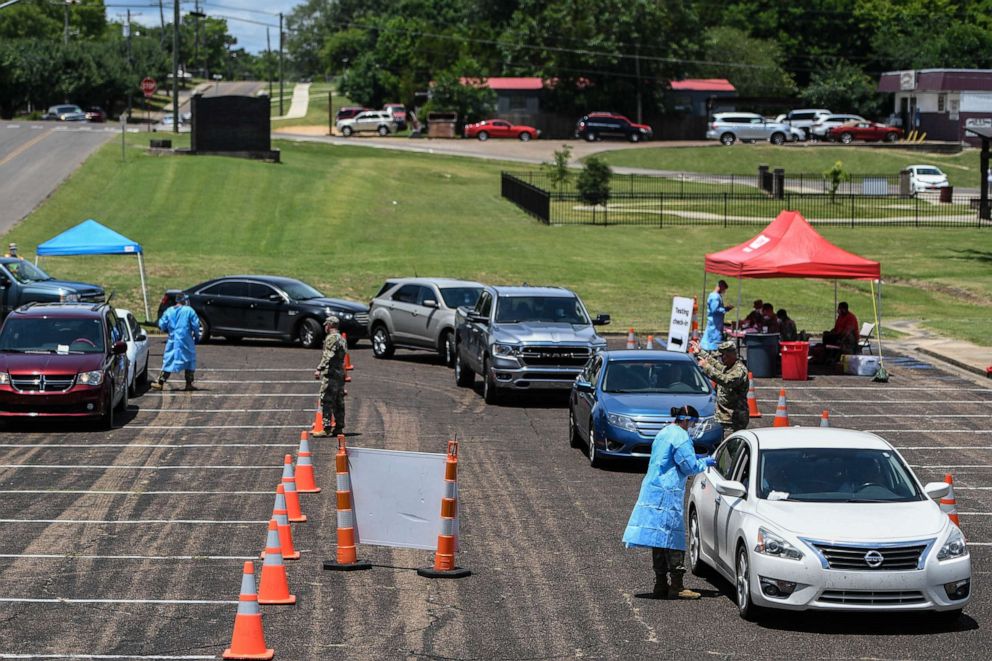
644 127
655 404
337 304
539 332
23 363
855 522
82 288
931 178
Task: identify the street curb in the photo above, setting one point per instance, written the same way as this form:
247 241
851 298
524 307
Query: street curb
952 361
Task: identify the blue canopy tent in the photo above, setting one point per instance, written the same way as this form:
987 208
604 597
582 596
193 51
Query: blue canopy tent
91 238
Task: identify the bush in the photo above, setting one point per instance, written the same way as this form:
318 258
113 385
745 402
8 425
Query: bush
594 181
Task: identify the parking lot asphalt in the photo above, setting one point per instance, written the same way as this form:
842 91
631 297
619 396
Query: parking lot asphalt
130 543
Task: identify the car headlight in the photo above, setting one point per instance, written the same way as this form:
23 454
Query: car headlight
68 296
703 427
504 350
344 316
93 378
621 421
954 547
771 544
4 379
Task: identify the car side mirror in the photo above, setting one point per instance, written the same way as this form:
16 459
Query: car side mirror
730 488
478 318
276 298
430 303
140 337
120 347
937 490
601 320
583 386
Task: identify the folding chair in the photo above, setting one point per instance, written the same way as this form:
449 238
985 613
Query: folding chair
864 339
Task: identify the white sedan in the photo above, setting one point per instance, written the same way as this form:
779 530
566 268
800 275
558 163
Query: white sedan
137 351
830 519
926 177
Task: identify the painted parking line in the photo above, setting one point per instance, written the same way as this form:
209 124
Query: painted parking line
69 600
950 466
148 445
143 468
885 388
142 409
182 394
74 556
218 426
817 402
141 522
211 370
929 431
109 492
96 657
901 415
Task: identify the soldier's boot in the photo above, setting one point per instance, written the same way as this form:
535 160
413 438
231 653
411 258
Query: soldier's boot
679 591
660 590
189 381
159 383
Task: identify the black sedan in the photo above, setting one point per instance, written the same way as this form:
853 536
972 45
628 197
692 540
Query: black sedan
239 306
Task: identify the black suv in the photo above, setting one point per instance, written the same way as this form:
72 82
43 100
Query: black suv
238 306
63 359
599 125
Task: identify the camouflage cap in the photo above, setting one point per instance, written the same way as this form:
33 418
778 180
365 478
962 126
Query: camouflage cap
727 347
331 320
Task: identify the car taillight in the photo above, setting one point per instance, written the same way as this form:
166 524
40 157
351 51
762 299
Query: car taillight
713 126
582 125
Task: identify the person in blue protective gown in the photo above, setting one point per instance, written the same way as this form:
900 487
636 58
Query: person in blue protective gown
183 327
715 311
658 519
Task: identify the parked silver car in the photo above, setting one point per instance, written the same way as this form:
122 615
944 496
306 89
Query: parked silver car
419 313
824 123
65 113
804 118
729 127
370 121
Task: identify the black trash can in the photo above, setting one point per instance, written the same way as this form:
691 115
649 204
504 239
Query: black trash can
762 354
947 194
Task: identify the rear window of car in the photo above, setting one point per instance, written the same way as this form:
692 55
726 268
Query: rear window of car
386 286
455 297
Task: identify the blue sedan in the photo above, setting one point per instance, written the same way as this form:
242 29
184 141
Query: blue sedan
622 399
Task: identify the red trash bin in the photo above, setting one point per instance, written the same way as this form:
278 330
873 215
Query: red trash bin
795 360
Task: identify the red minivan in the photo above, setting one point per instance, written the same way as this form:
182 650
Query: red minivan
63 359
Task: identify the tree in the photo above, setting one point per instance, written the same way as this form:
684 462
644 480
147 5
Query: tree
472 102
558 169
593 182
835 176
843 85
757 63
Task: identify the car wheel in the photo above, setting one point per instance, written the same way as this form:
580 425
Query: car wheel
308 333
590 137
107 421
132 385
143 376
634 137
204 328
595 460
122 407
573 432
728 138
347 131
382 345
383 131
490 393
483 136
745 607
891 137
846 138
446 348
525 137
696 564
464 376
777 138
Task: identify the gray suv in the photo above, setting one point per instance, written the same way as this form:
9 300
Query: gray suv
370 121
419 313
524 338
729 127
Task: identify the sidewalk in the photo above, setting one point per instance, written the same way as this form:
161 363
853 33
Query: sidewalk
962 354
300 102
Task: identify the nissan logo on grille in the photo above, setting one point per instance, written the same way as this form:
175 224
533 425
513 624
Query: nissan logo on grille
874 559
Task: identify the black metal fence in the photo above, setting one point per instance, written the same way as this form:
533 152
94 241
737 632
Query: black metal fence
702 200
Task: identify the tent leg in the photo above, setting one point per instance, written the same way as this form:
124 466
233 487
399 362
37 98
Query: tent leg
835 299
144 288
740 298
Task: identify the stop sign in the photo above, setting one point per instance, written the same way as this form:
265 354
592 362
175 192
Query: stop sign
148 86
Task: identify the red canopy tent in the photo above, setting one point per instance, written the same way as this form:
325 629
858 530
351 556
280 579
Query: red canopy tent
789 247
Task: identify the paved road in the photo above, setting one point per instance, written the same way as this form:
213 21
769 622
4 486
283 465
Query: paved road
90 515
35 157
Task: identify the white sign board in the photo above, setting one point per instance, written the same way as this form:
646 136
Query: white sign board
680 326
396 496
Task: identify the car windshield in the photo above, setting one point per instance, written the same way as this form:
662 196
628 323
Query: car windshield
455 297
26 272
654 376
547 309
835 475
934 172
300 291
51 335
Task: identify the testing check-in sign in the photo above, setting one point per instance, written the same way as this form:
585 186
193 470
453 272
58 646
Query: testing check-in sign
680 326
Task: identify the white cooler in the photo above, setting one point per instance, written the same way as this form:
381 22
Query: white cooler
860 365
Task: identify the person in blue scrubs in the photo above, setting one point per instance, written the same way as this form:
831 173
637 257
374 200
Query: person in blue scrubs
658 519
183 327
715 311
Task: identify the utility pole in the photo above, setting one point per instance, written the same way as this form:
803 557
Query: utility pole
268 56
65 31
161 18
280 64
175 66
637 73
196 38
130 61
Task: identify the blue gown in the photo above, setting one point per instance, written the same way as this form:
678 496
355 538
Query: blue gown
715 311
658 519
183 327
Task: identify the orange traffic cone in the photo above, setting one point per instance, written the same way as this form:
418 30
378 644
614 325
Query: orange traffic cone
318 421
948 505
631 339
781 411
694 338
825 419
347 359
347 557
447 540
273 588
649 343
752 401
305 482
282 523
292 495
248 641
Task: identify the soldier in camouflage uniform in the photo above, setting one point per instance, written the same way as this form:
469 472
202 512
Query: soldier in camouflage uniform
330 371
731 379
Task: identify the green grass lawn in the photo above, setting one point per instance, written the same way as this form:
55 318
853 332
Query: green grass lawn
316 108
961 169
344 218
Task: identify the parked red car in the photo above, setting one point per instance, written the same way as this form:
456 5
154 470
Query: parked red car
867 131
500 128
348 112
96 115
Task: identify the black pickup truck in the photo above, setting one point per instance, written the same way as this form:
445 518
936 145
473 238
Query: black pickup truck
22 282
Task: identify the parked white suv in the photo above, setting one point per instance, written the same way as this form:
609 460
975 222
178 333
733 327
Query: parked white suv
729 127
419 313
826 122
370 121
804 118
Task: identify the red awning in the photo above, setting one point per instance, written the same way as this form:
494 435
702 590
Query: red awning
790 248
